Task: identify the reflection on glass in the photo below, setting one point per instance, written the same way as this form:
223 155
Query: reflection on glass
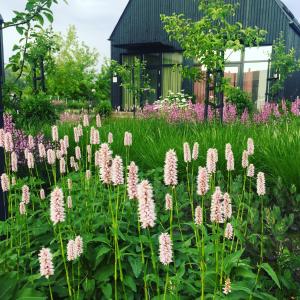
174 58
232 73
233 56
172 80
152 59
255 81
258 53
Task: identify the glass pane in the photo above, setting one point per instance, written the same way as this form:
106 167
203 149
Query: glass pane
172 81
255 81
232 74
151 95
258 53
174 58
152 59
231 55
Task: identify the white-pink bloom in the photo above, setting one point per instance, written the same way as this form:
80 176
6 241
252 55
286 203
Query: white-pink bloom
30 142
117 176
105 160
202 181
132 181
250 146
261 184
42 194
1 137
195 153
251 171
168 202
170 168
5 184
227 287
42 150
211 160
227 206
62 166
8 142
54 133
14 162
216 209
86 121
98 121
228 150
71 250
198 215
245 161
127 139
79 245
147 215
165 249
69 202
230 161
51 157
25 194
22 208
76 135
57 210
187 153
63 149
77 153
46 265
30 160
228 234
89 153
66 141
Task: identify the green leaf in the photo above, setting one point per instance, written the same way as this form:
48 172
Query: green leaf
107 290
129 281
89 285
49 17
231 260
271 273
104 273
136 265
20 29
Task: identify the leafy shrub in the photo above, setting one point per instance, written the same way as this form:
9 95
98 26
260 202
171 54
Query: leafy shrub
104 108
36 111
240 98
77 104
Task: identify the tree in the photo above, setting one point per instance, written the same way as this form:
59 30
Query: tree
74 74
283 64
207 40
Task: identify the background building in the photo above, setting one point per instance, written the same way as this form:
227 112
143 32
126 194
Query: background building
139 33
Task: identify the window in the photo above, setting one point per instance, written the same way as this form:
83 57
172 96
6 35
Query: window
171 75
233 56
258 53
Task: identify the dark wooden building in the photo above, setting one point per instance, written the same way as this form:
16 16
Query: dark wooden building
139 33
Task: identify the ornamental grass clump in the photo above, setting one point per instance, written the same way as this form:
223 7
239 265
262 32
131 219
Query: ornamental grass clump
104 245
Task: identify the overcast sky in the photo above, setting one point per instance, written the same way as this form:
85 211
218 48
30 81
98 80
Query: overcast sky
94 20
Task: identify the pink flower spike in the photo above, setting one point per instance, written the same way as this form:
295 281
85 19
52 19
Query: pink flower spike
187 153
198 215
227 287
22 208
250 146
71 250
78 245
170 168
46 265
261 184
165 249
245 161
54 134
25 194
202 181
227 206
216 210
228 234
251 171
117 176
168 202
5 185
69 202
57 210
42 194
132 181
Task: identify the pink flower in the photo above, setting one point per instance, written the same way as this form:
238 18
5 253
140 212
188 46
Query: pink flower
187 153
1 137
22 208
250 146
30 160
170 168
261 184
77 153
54 134
76 135
94 136
230 161
165 249
202 182
195 153
5 185
42 150
251 170
69 202
245 161
30 142
168 202
8 142
66 141
46 265
62 166
105 160
228 234
14 162
57 210
146 207
227 206
211 160
71 251
98 121
132 181
227 287
79 245
216 210
63 149
25 194
198 215
86 121
110 138
228 150
51 157
89 153
117 176
127 139
42 194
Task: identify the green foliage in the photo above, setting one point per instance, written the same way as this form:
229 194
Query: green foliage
103 83
77 104
36 111
74 72
104 108
240 98
283 64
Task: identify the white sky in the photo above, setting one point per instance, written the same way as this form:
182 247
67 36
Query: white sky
94 20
